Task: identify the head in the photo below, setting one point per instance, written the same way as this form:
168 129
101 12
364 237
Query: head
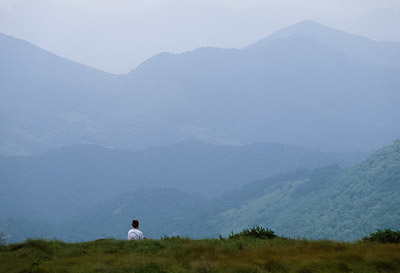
135 224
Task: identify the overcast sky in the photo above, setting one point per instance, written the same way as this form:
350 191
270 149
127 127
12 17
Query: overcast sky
117 35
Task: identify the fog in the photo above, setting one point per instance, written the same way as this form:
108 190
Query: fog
199 118
116 36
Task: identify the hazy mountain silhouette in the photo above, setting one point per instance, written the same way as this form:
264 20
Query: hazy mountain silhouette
294 89
62 183
306 85
382 53
47 100
328 202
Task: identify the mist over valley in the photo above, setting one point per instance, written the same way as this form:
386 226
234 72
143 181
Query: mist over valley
296 132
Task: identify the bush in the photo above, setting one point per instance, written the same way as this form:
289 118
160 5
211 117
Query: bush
255 232
386 237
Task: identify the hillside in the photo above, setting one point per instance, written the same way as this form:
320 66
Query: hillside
62 184
185 255
46 100
306 85
330 203
295 90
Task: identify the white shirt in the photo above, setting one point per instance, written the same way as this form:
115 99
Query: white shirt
135 234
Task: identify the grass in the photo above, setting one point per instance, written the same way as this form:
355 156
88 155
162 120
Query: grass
210 255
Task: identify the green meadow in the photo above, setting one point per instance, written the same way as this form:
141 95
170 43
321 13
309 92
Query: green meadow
240 254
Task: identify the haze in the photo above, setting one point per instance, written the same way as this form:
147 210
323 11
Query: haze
116 36
283 114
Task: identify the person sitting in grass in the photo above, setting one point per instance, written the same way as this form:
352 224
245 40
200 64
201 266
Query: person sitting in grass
135 233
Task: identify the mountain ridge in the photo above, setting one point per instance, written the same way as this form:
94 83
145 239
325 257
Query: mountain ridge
332 203
5 38
311 95
325 203
379 52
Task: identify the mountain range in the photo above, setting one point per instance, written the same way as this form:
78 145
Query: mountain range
62 183
324 203
306 85
189 143
334 203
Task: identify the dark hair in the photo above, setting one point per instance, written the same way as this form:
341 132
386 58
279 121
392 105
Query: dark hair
135 223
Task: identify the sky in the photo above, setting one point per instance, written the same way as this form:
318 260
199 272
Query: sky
117 35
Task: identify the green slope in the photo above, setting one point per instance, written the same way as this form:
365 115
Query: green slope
172 255
330 203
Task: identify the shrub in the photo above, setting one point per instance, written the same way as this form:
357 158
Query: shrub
387 236
255 232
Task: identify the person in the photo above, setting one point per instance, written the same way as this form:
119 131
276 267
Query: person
135 233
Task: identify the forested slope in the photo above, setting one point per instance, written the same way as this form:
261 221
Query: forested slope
330 203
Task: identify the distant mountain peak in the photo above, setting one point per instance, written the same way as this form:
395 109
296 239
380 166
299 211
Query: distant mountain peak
308 24
306 28
312 28
340 40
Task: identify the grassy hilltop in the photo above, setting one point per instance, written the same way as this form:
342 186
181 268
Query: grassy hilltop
208 255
